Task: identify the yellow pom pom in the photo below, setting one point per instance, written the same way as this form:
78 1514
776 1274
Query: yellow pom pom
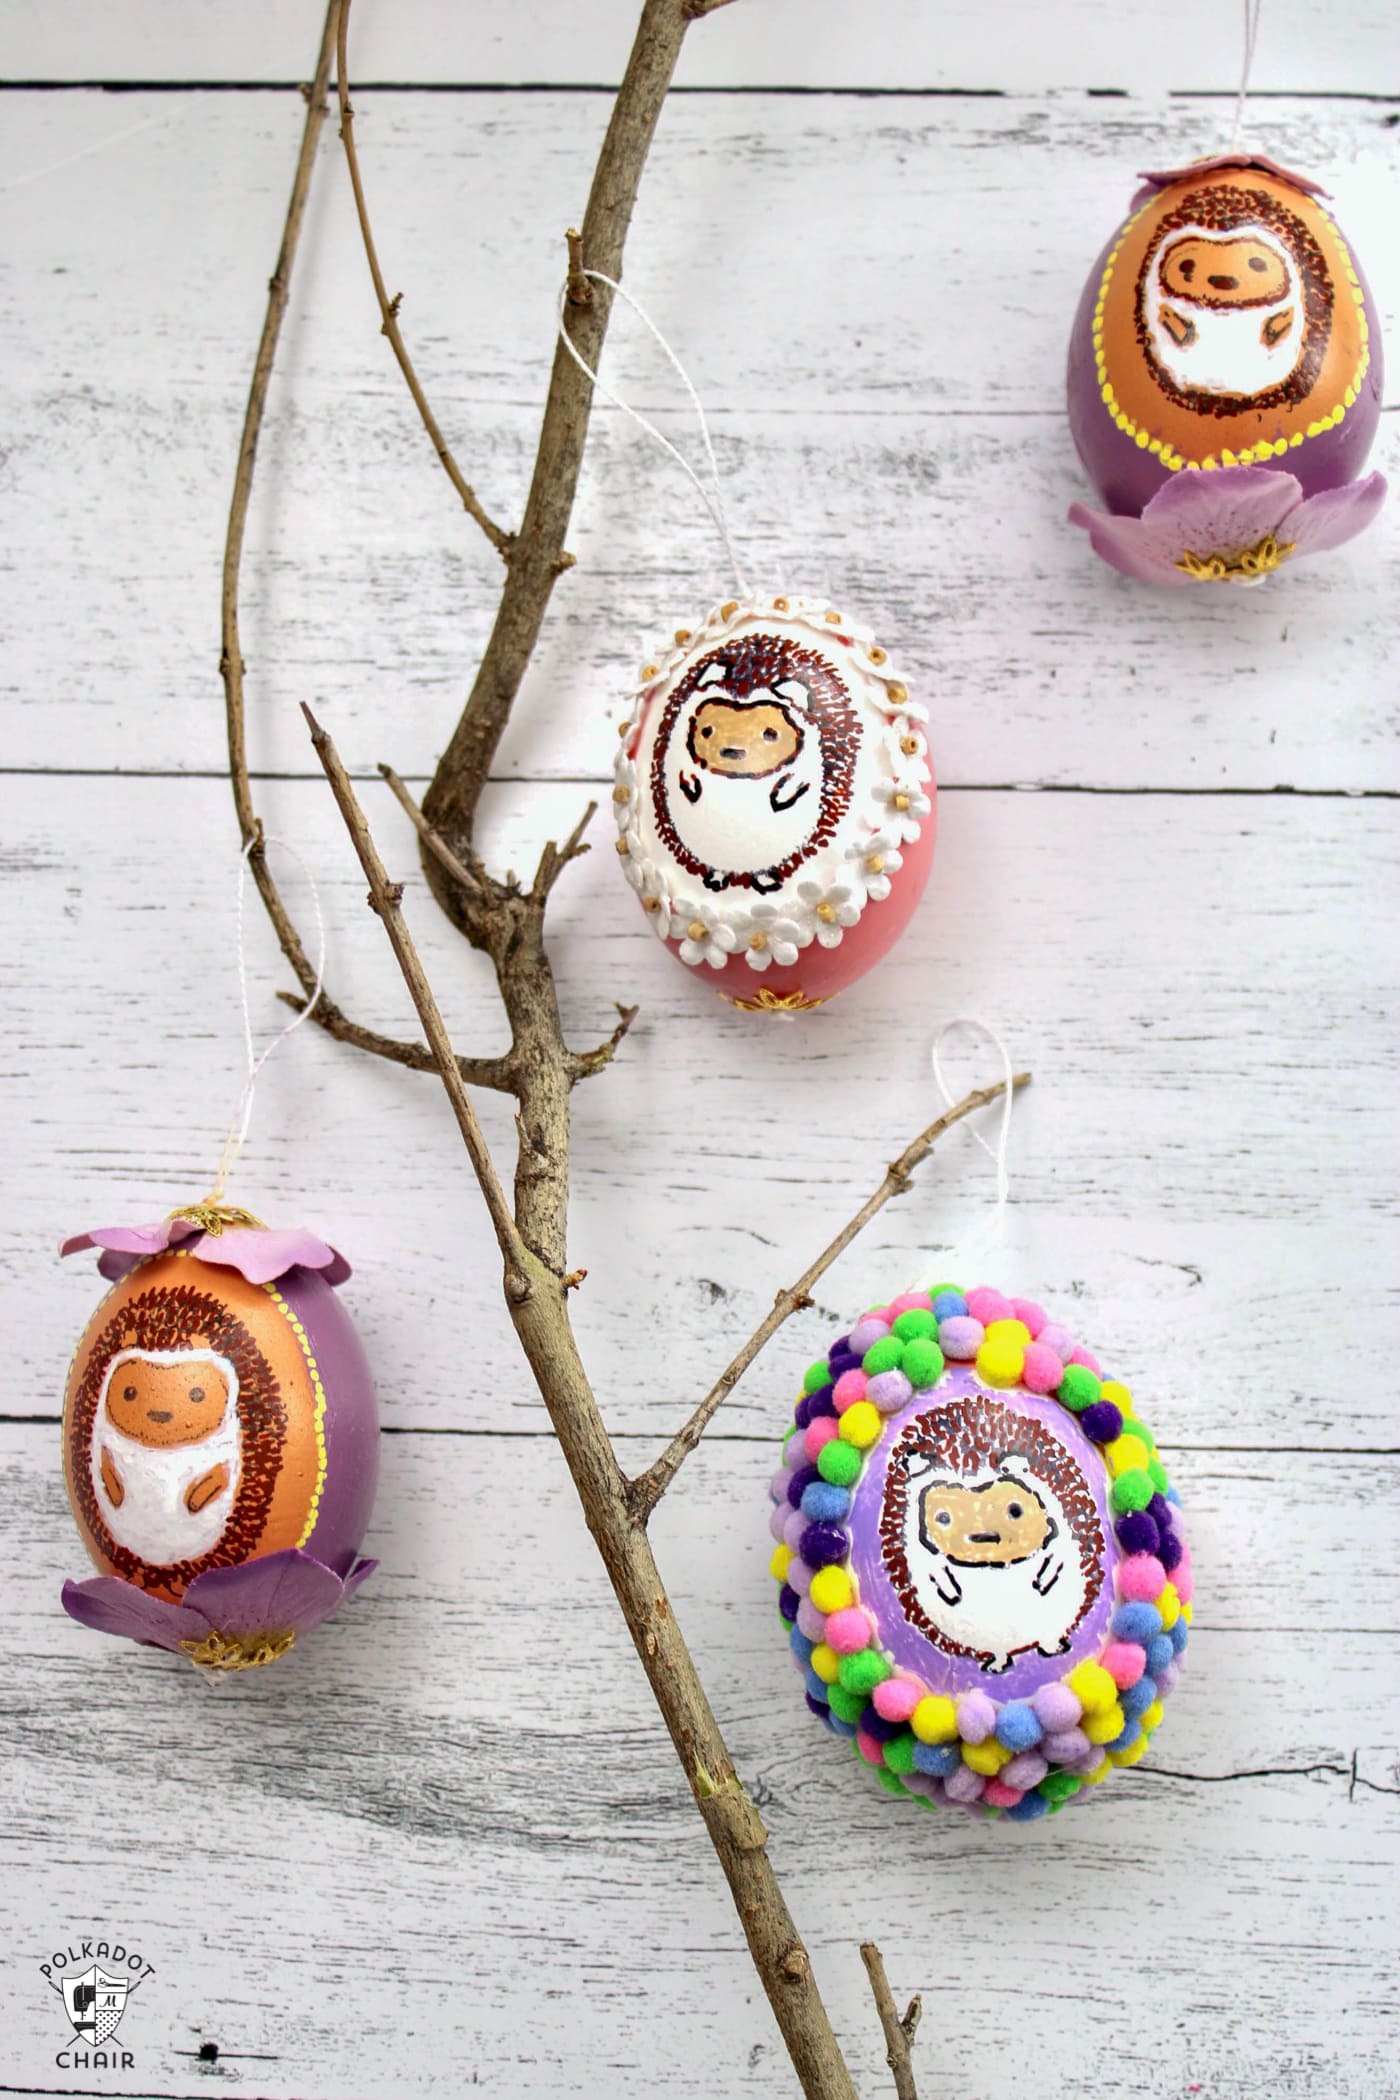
1131 1755
831 1590
1126 1454
1100 1772
1169 1605
826 1662
1103 1727
1002 1362
1093 1688
934 1720
861 1425
986 1758
1152 1717
1118 1394
1010 1331
783 1558
1187 1613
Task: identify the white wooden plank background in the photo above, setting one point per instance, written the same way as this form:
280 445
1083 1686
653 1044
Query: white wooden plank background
448 1846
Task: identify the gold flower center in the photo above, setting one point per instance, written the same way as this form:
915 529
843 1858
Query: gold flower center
826 912
758 942
621 793
901 802
1242 566
876 864
696 930
239 1651
213 1218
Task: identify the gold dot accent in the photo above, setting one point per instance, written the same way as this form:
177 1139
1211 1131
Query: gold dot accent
780 605
682 634
833 619
623 727
896 691
876 864
696 930
901 801
649 671
622 794
652 904
827 913
621 846
758 942
909 745
877 656
729 608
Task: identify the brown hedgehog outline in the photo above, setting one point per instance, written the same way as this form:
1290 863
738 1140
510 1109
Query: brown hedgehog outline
970 1436
167 1317
1224 209
761 660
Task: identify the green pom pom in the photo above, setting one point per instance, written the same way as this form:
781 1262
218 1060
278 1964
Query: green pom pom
863 1671
890 1781
1133 1427
915 1326
840 1463
1079 1388
816 1376
1132 1490
883 1356
1157 1474
923 1364
847 1706
899 1753
1059 1786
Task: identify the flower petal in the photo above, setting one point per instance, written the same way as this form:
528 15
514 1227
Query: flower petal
1334 516
109 1605
281 1590
262 1257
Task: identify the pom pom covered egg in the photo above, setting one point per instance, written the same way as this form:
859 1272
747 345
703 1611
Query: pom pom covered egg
1225 378
774 801
220 1438
982 1567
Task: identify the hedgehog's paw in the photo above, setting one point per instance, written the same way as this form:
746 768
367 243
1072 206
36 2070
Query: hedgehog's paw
765 882
995 1665
1060 1647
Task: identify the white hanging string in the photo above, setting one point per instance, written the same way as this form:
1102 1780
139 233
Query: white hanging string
991 1228
1252 11
243 1112
714 503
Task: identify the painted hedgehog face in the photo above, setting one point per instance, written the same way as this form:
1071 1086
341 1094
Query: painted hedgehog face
989 1526
1233 270
167 1398
746 739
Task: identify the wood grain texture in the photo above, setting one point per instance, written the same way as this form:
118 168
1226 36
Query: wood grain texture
447 1846
878 457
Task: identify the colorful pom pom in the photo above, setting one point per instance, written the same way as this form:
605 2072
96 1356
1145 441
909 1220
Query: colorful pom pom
885 1355
950 1305
1066 1747
1138 1697
1131 1490
1041 1370
849 1628
1001 1362
847 1706
987 1305
822 1544
899 1754
1092 1687
960 1338
1018 1726
1103 1727
935 1720
915 1325
937 1759
1159 1654
1169 1552
1137 1533
1102 1421
997 1794
1031 1315
825 1661
1057 1706
782 1560
849 1388
862 1671
861 1425
896 1698
816 1376
1025 1770
822 1502
1125 1662
1079 1388
817 1436
870 1750
977 1717
1141 1579
889 1390
868 1331
1057 1339
1028 1808
964 1784
1126 1454
1136 1622
832 1590
839 1462
923 1364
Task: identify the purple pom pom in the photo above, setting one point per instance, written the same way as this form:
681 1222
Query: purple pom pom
1169 1551
801 1480
788 1601
1159 1509
1102 1421
820 1404
802 1413
880 1730
842 1360
1136 1532
823 1544
819 1707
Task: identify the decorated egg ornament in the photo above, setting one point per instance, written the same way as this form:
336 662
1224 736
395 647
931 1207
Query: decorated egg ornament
1225 378
775 801
220 1438
984 1579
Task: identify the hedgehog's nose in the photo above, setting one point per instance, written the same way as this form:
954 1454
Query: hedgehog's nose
732 751
157 1414
1225 284
984 1538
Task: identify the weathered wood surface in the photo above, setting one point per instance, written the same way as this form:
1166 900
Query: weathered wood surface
447 1847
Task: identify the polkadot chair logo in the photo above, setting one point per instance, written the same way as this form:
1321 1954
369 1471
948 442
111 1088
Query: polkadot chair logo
96 1980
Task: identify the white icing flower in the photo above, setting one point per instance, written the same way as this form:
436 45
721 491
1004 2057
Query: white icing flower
831 907
766 936
625 793
876 860
904 804
704 935
643 874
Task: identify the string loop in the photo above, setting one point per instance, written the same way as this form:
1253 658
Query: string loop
1252 11
713 502
243 1111
973 1246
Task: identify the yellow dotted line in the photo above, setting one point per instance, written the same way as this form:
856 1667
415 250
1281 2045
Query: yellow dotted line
320 1396
1252 455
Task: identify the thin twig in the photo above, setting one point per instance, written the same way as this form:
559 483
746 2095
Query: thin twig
648 1488
471 878
899 2034
500 539
385 897
492 1072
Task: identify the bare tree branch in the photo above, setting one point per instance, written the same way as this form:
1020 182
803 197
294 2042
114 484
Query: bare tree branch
899 2034
648 1488
492 1072
500 539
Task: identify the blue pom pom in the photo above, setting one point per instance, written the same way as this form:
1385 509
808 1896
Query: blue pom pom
1136 1532
815 1687
1159 1653
1136 1622
801 1480
788 1601
1138 1697
842 1727
1179 1636
823 1545
950 1305
1169 1551
823 1503
1027 1809
1173 1498
800 1645
1128 1737
1017 1727
938 1759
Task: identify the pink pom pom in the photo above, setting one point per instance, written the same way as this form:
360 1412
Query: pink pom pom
811 1621
964 1784
777 1521
870 1750
986 1305
1031 1315
977 1717
1125 1662
1067 1747
849 1387
997 1794
1056 1707
849 1631
910 1301
1042 1369
1024 1771
897 1697
798 1577
1090 1363
794 1529
1183 1581
818 1435
1053 1336
1141 1578
868 1331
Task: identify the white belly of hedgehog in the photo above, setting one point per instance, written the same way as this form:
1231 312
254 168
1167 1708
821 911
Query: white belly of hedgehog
729 823
997 1611
152 1520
